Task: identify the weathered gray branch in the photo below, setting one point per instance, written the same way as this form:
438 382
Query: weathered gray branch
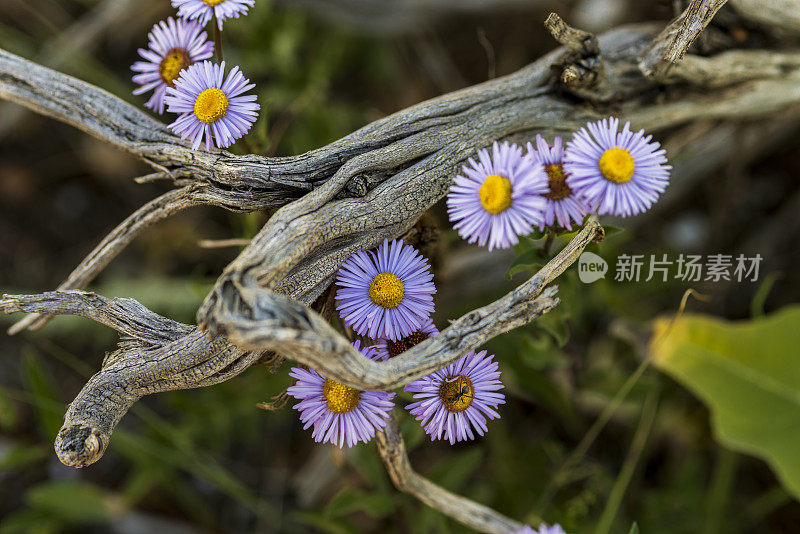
671 44
260 319
73 44
158 209
115 242
304 242
734 67
572 38
184 357
584 68
126 316
95 111
145 363
481 518
781 14
370 185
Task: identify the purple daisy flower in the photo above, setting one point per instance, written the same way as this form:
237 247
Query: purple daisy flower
211 104
203 10
340 414
173 46
499 197
563 206
386 348
454 400
615 173
386 294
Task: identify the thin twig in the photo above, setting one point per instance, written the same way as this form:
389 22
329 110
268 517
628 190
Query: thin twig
671 44
392 449
217 37
491 61
114 243
223 243
373 184
572 38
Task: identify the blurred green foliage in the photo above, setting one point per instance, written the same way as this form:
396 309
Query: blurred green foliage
589 437
747 373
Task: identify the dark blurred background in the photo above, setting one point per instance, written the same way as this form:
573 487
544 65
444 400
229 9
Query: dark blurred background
209 460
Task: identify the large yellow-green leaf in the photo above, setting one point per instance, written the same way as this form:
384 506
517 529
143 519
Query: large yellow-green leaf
748 373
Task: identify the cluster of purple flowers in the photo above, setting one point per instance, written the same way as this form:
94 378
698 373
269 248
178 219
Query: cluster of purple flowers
511 191
175 67
387 295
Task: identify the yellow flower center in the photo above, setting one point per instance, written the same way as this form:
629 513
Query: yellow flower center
495 194
617 164
386 290
457 395
173 63
340 398
559 189
211 105
213 3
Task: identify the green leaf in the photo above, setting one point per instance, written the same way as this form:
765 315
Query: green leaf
72 501
8 413
760 297
350 500
28 521
634 529
19 455
453 473
748 374
44 391
530 260
323 523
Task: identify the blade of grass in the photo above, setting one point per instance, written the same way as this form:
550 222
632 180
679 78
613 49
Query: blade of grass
719 491
649 411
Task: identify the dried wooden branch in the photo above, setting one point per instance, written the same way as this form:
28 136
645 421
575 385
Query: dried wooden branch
95 111
370 185
115 242
584 67
139 367
476 516
260 319
783 15
278 257
671 44
158 209
75 41
573 38
124 315
731 68
277 323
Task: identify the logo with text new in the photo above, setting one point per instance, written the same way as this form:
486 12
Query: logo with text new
591 267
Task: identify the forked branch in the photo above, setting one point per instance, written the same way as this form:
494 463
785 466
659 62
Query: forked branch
373 184
370 185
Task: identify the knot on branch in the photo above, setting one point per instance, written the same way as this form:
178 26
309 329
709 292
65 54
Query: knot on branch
582 66
80 445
